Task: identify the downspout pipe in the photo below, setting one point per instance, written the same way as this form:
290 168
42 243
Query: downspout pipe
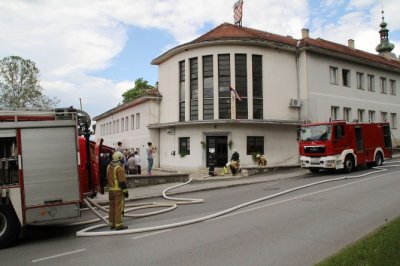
298 77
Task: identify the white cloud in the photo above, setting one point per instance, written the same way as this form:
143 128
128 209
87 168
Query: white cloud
361 23
70 39
361 3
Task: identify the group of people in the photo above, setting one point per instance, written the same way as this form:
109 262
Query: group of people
233 165
132 161
113 174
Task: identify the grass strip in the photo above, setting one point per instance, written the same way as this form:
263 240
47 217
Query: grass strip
381 247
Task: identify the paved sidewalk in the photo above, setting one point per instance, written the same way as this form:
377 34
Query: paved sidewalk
201 182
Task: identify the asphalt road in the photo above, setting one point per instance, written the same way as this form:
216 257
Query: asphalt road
300 228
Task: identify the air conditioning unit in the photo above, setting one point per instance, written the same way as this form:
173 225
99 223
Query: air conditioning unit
171 131
295 103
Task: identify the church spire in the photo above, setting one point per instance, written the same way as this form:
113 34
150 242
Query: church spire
385 47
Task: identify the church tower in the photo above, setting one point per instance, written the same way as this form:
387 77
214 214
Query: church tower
385 47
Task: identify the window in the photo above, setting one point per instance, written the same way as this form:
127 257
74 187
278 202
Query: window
113 127
383 85
384 117
126 123
347 114
184 146
333 75
224 83
339 131
8 154
371 116
137 120
182 91
132 122
392 87
122 124
393 120
371 83
194 87
255 145
360 81
360 115
346 77
208 87
334 112
257 87
241 85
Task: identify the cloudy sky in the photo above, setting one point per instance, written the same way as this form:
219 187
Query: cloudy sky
94 50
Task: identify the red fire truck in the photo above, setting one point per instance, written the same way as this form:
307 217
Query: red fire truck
47 166
342 145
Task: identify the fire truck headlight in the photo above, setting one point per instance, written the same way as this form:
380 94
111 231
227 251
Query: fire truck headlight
330 163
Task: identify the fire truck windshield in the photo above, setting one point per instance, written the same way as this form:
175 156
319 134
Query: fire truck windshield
316 133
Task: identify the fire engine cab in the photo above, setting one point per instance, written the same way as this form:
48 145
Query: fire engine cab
343 145
47 167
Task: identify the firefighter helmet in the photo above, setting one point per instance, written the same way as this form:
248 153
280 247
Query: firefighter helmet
117 156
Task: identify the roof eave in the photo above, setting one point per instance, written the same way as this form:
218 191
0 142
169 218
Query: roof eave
230 41
348 57
126 106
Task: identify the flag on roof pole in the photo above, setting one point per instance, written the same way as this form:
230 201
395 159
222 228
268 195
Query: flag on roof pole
238 12
235 93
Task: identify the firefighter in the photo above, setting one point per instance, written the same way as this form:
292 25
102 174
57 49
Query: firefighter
118 191
211 162
235 163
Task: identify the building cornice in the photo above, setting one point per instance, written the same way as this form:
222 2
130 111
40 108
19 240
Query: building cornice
225 122
350 58
125 106
227 34
224 42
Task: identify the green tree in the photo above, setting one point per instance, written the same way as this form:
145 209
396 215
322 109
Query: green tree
141 88
20 85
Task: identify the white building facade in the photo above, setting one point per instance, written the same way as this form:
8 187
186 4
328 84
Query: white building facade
242 89
128 123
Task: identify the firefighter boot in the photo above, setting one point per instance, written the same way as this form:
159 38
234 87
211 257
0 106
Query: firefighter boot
122 227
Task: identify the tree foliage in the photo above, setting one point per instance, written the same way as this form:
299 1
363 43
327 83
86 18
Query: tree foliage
141 88
20 85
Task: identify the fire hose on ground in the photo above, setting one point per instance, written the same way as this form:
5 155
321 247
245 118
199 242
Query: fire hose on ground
170 206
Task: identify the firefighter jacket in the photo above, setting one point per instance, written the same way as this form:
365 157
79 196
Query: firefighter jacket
116 179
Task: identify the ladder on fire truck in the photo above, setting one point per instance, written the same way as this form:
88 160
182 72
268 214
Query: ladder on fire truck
70 113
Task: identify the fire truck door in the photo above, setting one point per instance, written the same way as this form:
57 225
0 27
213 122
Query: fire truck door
359 148
49 163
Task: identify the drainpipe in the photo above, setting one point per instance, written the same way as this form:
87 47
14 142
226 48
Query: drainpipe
158 121
298 76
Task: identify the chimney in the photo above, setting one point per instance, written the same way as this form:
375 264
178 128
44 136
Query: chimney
350 43
305 33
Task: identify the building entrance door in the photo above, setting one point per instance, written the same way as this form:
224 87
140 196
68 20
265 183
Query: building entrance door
220 144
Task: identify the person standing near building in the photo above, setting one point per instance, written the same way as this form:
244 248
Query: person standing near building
119 147
138 163
117 191
131 163
150 159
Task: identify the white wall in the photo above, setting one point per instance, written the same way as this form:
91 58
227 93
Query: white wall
280 144
323 95
279 80
136 138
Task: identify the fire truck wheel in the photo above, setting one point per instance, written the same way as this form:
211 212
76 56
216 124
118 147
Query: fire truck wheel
378 159
9 225
348 164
